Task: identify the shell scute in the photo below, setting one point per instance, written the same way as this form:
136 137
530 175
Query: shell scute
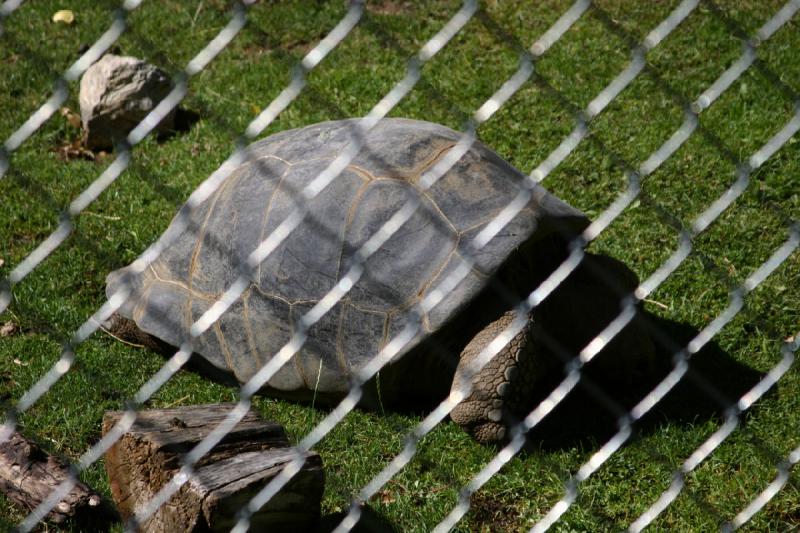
304 266
320 366
397 271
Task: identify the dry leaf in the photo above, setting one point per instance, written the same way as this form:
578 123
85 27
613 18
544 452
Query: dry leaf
2 262
8 329
65 15
20 363
386 496
75 150
73 118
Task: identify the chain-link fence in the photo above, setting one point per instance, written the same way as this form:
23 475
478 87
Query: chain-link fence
671 125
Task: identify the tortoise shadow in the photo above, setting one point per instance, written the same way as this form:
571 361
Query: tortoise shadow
589 413
370 522
584 418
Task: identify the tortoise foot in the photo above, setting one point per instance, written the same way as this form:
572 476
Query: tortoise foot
502 388
474 417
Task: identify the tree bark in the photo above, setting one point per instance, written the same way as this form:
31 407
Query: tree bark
224 480
28 475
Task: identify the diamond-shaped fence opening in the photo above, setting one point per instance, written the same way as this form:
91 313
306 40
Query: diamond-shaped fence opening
671 125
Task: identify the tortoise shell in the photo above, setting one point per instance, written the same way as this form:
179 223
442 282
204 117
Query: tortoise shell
205 258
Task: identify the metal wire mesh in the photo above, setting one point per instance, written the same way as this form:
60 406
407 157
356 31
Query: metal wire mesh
635 178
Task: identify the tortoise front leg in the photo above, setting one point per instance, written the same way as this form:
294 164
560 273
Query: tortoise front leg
578 310
503 387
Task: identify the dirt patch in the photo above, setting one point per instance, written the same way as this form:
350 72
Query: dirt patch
492 514
9 328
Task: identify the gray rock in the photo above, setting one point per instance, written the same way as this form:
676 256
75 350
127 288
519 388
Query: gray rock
116 93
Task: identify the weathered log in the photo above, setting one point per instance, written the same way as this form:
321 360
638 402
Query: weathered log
247 458
28 475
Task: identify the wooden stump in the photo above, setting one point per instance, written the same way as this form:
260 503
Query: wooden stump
28 475
246 459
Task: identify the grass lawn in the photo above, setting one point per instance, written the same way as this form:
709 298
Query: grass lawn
68 286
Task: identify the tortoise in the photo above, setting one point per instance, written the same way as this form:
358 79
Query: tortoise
207 256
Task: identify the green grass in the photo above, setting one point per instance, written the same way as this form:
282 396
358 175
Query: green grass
69 285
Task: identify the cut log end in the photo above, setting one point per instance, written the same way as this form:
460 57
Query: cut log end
247 458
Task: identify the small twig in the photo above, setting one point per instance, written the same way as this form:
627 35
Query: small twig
316 385
176 402
657 304
378 387
107 332
196 13
98 215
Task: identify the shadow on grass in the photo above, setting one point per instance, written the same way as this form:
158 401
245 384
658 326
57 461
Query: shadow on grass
714 382
184 120
370 522
589 413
